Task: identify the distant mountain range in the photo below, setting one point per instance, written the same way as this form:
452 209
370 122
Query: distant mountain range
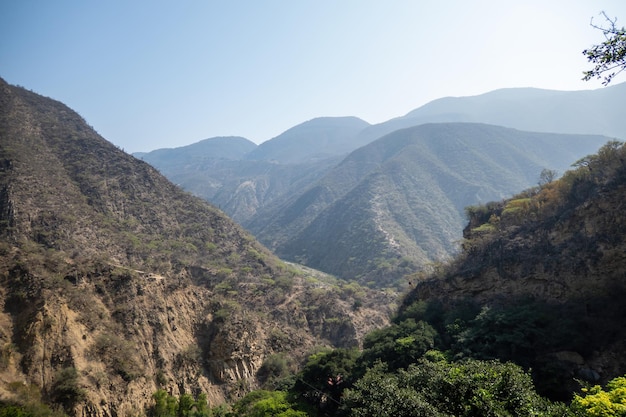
536 110
296 194
315 140
398 202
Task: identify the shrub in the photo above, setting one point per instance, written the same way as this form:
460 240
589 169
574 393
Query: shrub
66 390
598 402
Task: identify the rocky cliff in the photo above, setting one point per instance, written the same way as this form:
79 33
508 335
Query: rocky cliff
559 251
115 283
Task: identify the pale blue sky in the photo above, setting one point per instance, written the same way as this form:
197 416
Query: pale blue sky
153 74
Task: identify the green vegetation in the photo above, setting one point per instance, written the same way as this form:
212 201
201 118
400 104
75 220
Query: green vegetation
266 404
185 405
66 390
440 388
609 56
27 401
513 356
397 204
597 402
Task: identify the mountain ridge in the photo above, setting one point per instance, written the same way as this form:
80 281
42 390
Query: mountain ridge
114 282
449 166
557 247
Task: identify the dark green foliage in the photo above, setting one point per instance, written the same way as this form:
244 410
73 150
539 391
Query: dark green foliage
66 389
380 393
274 368
165 405
399 345
325 376
522 331
185 405
469 388
266 404
33 409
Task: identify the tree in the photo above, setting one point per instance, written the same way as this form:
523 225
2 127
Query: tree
439 388
165 405
609 57
266 404
598 402
66 389
324 377
547 176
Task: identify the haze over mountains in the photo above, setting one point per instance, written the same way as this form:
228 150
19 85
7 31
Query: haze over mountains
115 283
279 188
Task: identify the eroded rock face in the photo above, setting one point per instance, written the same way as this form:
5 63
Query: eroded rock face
126 340
115 283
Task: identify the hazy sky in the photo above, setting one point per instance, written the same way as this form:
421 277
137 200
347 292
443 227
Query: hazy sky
153 74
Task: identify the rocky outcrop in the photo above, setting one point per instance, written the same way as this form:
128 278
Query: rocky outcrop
115 283
560 245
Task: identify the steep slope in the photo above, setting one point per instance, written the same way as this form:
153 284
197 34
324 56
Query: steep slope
587 112
547 269
293 161
242 183
114 282
316 139
241 187
398 203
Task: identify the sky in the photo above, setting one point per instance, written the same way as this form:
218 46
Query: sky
149 74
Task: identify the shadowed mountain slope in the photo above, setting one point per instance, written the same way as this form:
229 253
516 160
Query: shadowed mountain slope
542 278
114 282
398 203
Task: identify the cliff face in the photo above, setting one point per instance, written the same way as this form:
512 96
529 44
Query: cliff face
562 244
115 283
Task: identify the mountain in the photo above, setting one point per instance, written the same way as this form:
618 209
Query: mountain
230 148
239 187
275 180
398 203
586 112
239 177
542 279
314 140
114 282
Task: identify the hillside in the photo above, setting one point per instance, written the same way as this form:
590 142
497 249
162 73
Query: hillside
397 204
317 139
585 112
542 279
527 321
230 148
242 182
114 282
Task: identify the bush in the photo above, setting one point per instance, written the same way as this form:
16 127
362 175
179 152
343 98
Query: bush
266 404
66 390
598 402
118 354
441 388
